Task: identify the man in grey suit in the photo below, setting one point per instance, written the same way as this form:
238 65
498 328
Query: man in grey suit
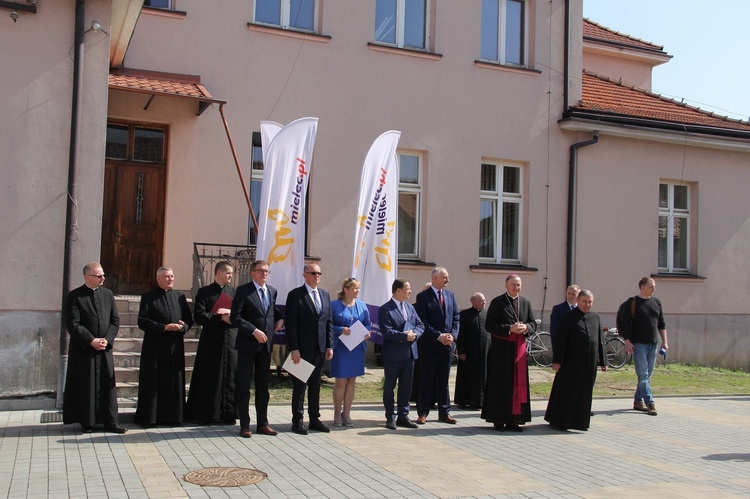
309 333
401 327
254 312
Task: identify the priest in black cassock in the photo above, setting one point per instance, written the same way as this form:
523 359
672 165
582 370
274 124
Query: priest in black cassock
506 396
92 321
577 350
164 317
472 345
211 397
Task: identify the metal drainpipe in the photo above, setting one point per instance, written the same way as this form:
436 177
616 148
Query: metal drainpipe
72 199
572 203
566 57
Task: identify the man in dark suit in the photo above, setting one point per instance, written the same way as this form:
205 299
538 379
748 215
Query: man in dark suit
438 309
401 327
92 321
254 312
571 297
309 332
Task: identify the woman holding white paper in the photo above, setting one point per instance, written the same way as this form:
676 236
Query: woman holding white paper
347 364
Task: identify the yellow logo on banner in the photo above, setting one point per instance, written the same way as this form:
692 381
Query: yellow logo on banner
281 238
382 255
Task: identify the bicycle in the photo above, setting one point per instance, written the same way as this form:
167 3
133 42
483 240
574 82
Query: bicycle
614 349
539 347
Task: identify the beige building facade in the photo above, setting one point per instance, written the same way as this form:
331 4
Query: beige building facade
488 117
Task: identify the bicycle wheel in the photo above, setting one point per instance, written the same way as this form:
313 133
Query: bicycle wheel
540 349
614 349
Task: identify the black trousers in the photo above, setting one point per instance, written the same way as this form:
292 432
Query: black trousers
313 395
259 364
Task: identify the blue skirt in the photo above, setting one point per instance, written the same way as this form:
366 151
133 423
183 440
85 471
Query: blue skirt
347 364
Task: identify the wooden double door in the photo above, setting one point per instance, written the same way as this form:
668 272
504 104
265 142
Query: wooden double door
133 225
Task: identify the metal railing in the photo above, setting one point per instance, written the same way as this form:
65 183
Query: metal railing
207 255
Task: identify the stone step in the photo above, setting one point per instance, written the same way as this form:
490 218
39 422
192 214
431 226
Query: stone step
128 391
128 318
132 360
133 331
134 345
129 374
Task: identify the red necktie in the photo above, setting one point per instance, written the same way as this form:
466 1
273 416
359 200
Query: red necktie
442 302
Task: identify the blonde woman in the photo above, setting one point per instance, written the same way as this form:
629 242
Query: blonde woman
346 365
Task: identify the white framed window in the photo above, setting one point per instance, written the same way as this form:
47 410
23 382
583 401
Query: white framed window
402 23
159 4
504 31
674 227
500 213
411 165
287 14
256 184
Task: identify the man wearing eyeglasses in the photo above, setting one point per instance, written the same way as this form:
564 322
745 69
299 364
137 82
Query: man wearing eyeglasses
254 312
309 332
92 321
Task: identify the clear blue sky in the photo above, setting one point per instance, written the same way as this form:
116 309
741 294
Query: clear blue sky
707 42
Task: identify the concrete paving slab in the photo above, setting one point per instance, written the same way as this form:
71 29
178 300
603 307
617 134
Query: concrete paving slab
695 447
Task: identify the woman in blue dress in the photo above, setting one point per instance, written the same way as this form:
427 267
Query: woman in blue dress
346 365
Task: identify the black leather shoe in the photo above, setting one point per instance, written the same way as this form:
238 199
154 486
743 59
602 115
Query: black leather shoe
390 424
299 429
514 427
87 429
500 426
406 423
115 428
317 425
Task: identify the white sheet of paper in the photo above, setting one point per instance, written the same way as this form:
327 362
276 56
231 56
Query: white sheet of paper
301 371
357 336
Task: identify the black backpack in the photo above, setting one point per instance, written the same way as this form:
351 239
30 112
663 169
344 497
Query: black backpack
625 315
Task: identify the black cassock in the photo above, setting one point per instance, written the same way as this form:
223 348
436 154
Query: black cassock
161 379
212 385
506 393
90 397
578 348
471 374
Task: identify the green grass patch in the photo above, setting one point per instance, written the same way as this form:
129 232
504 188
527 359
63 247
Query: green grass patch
668 379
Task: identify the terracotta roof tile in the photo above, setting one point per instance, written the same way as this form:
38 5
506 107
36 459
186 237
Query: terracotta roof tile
601 33
602 94
152 82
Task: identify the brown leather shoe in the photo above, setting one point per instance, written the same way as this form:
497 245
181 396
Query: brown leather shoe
245 432
447 418
267 430
421 419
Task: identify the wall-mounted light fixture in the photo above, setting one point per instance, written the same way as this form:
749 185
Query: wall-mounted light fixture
96 26
15 7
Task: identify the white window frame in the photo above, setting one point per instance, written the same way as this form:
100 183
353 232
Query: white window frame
413 189
502 35
170 6
256 175
286 14
400 26
498 198
670 212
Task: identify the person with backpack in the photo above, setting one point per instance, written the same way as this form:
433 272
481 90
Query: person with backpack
640 322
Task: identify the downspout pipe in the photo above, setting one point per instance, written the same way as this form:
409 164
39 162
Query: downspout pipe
72 199
566 57
569 278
